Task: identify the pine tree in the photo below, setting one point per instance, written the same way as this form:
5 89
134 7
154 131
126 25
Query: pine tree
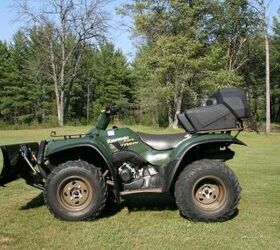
16 103
4 80
111 76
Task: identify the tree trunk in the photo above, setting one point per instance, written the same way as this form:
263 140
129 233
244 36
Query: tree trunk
267 85
177 103
267 68
88 100
155 118
59 92
60 108
170 115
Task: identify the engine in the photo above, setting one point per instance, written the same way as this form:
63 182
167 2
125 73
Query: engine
144 177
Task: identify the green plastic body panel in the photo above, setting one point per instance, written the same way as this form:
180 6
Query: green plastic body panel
57 146
108 142
105 142
188 143
126 139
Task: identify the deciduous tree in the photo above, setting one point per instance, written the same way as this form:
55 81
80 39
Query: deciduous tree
67 25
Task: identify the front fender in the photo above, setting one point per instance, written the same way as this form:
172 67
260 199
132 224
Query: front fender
57 146
182 151
60 148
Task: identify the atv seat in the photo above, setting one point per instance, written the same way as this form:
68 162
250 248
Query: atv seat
162 142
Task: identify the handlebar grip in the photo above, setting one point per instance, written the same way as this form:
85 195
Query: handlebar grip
111 110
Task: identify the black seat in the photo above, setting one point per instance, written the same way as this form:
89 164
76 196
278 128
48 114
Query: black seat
162 142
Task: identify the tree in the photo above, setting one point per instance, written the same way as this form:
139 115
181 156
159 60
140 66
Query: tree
67 25
275 75
262 8
42 93
173 47
103 79
82 96
112 75
16 103
190 47
267 66
4 80
26 88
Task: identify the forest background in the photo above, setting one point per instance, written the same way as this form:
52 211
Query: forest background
61 67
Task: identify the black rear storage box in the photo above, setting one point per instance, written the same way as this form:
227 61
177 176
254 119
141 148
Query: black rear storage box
229 109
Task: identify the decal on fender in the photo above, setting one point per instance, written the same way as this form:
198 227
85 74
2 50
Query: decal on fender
117 139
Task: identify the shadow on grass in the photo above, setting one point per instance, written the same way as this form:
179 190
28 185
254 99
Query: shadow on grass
148 202
37 201
151 201
276 127
141 202
231 217
234 214
134 203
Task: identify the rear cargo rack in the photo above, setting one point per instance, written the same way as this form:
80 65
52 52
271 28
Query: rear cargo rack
219 131
53 134
239 128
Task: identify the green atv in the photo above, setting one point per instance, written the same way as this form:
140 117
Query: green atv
80 173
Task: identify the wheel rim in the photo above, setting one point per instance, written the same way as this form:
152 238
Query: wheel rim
74 193
209 193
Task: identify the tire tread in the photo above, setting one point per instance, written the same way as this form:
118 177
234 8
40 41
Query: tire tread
190 171
72 164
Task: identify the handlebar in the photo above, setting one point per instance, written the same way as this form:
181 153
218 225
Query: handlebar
104 118
113 110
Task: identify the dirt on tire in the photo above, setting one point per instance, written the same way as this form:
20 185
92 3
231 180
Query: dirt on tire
207 190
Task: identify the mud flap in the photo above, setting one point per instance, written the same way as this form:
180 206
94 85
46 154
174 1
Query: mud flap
14 164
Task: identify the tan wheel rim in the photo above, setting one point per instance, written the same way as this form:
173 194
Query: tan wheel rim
209 194
74 193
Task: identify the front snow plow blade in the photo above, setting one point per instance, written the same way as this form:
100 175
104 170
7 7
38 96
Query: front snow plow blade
19 161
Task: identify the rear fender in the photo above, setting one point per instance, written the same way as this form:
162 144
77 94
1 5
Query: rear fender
184 155
14 166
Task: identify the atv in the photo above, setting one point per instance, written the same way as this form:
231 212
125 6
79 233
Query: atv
80 173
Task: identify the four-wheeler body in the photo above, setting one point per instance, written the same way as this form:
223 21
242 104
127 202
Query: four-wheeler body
79 173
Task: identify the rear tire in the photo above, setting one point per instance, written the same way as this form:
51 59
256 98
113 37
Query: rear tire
207 190
75 191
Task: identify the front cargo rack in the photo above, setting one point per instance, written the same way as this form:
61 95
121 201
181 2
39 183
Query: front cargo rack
53 134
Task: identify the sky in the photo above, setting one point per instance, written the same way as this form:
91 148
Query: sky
117 33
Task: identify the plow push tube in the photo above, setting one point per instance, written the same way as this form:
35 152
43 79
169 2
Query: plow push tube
19 161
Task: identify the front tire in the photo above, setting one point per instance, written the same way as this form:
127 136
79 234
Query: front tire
75 191
207 190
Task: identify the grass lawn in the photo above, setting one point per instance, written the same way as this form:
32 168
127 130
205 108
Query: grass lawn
151 222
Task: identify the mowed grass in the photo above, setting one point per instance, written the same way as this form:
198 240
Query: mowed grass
151 222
